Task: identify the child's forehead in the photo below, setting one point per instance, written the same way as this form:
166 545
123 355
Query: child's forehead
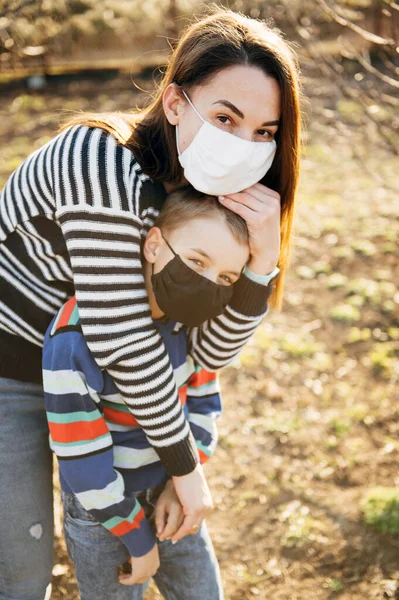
208 233
200 226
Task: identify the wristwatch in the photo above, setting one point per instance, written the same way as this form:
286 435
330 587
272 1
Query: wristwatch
262 279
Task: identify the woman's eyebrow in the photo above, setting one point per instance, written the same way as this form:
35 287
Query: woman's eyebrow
240 114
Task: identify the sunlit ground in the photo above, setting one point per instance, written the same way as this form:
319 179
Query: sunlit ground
310 423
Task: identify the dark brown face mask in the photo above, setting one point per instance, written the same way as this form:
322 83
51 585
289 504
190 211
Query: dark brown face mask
186 296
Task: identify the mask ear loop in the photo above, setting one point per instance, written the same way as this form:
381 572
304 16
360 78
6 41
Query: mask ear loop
192 106
196 112
170 248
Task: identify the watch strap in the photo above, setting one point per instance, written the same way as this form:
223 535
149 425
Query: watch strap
262 279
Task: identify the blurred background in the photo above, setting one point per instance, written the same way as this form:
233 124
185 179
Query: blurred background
305 479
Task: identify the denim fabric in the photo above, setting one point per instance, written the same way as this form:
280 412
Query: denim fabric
188 571
26 500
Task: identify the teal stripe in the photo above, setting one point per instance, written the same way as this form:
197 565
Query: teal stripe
73 417
74 318
114 406
111 523
205 386
81 443
56 320
205 449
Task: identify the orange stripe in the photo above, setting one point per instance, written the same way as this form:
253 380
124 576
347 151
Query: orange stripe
127 526
66 312
183 394
119 417
78 431
202 456
201 378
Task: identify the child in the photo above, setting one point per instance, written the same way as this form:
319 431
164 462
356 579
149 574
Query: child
110 475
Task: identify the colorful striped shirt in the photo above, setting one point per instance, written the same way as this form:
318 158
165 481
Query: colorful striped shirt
104 456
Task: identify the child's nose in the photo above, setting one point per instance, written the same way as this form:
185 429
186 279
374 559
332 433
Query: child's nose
210 274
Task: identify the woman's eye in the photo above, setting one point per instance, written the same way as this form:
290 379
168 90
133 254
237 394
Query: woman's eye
265 134
224 119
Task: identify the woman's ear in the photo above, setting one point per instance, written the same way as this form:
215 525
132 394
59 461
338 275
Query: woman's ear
172 99
152 244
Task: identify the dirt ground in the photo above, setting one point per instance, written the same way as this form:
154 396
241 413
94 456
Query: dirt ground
310 419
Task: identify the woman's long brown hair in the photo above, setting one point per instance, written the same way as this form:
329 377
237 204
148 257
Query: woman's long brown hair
220 40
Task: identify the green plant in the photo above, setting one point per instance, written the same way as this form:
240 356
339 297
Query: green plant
381 359
298 347
335 584
345 313
344 252
336 280
305 272
302 528
368 288
364 247
322 266
380 508
358 335
339 426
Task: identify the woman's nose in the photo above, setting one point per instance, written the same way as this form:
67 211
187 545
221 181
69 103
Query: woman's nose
245 133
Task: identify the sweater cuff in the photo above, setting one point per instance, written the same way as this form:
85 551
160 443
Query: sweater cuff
139 541
179 459
250 298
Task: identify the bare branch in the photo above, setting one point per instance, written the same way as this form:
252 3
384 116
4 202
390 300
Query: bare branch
366 35
369 67
363 163
391 4
333 66
18 9
388 99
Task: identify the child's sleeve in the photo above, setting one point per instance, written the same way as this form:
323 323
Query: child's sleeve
80 438
204 407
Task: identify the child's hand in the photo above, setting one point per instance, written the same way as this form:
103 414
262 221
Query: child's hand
143 568
169 512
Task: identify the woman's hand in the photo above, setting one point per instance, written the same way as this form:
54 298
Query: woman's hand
260 207
143 568
195 496
169 512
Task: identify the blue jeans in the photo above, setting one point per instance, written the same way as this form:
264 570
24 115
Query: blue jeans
188 571
26 496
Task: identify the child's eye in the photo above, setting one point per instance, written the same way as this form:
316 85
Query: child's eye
197 262
227 279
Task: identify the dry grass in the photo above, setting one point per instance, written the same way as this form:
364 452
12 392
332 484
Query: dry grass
310 421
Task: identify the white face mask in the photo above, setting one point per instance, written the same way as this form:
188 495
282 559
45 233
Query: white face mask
217 162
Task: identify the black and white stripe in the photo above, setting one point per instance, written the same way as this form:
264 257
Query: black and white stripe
71 219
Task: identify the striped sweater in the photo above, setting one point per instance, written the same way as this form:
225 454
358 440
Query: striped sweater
104 456
72 218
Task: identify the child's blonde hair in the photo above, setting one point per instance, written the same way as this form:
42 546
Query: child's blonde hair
186 204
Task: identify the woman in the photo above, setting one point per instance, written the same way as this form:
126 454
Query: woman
72 218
